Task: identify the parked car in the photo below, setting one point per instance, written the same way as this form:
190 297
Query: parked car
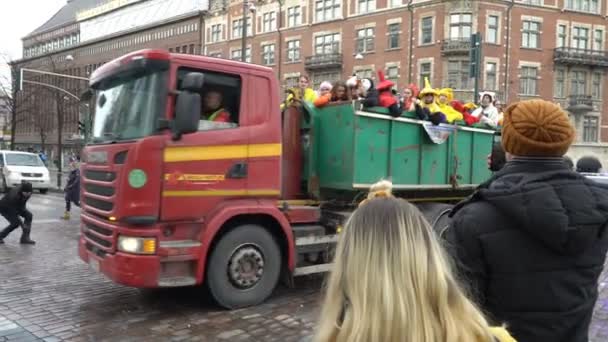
598 177
23 166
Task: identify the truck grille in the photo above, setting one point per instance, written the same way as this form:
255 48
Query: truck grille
102 176
98 240
99 190
32 175
95 250
98 204
99 230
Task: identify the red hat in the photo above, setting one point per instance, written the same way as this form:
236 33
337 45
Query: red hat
384 84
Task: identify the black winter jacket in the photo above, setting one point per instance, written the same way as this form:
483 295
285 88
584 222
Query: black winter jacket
532 243
13 200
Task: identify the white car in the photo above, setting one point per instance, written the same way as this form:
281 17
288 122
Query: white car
23 166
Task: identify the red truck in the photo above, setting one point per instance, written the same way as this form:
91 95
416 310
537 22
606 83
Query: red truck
172 199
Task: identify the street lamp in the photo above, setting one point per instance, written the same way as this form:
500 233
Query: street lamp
69 58
359 57
247 6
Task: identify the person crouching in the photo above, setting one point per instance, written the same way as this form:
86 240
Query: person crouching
12 205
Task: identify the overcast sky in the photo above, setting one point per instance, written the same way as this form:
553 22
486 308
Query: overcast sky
17 19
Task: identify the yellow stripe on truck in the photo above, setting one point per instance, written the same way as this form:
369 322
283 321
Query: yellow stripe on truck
182 154
217 193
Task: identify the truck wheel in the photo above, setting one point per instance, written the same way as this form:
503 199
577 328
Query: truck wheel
244 267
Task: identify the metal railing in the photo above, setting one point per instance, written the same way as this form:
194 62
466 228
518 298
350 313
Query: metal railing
583 100
575 56
329 60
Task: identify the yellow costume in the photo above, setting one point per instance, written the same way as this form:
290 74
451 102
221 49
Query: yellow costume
451 114
427 90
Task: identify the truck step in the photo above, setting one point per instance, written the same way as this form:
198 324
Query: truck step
312 269
180 244
176 281
316 240
308 230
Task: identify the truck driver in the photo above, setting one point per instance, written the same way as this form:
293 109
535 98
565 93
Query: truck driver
213 109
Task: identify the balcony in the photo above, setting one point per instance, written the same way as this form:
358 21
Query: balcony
327 61
574 56
456 46
580 104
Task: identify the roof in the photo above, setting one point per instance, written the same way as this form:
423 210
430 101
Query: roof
67 14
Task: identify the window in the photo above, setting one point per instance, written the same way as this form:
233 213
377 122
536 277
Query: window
330 76
580 38
590 6
236 55
528 80
365 40
530 36
425 72
596 90
532 2
268 54
458 74
326 9
291 82
460 26
396 3
598 40
237 28
191 49
492 32
427 30
327 44
216 33
491 76
392 73
293 51
561 35
178 49
269 21
294 16
364 73
366 6
216 54
560 84
393 36
590 128
220 88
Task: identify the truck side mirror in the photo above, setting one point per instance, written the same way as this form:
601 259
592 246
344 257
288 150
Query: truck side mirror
188 105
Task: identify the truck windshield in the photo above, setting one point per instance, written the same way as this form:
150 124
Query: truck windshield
129 107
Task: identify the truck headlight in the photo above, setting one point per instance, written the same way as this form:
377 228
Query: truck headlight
136 245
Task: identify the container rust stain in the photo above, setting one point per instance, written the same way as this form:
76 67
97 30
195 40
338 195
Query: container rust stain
407 148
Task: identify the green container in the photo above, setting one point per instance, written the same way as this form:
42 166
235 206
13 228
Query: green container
348 150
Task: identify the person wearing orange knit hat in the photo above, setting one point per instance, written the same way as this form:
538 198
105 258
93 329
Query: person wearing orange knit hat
531 240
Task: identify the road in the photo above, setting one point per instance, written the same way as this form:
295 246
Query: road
48 294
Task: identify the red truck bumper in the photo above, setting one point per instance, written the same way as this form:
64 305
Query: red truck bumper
126 269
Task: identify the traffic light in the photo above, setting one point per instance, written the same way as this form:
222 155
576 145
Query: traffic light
475 55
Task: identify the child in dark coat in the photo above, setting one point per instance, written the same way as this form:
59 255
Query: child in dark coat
72 189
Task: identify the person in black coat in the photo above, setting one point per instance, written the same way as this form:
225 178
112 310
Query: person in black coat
72 190
12 205
531 242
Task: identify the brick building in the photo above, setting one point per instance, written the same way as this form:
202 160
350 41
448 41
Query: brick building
550 49
80 37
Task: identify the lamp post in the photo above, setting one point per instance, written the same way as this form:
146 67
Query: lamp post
247 6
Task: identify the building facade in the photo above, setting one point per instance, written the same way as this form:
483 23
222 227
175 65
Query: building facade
550 49
82 36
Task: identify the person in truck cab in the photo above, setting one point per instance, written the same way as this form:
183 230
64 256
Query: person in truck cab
213 109
12 205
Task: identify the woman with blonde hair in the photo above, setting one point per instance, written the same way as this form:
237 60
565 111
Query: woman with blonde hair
391 281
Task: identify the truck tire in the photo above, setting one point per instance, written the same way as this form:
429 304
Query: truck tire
244 267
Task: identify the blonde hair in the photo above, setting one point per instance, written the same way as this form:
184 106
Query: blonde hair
391 281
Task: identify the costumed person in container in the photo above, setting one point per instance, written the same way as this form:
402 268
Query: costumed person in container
409 99
428 109
302 92
339 92
446 96
487 113
386 98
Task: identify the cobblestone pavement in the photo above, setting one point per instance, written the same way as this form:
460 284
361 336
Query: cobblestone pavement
48 294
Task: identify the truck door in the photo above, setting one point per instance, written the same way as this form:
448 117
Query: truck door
207 167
